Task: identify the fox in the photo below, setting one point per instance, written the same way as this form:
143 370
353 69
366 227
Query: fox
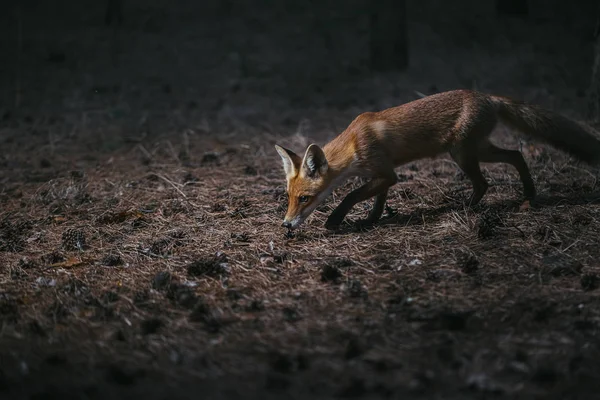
458 122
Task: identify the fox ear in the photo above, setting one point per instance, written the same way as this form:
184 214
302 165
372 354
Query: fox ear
315 162
291 160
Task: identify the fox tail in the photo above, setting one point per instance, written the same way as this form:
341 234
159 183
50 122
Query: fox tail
574 138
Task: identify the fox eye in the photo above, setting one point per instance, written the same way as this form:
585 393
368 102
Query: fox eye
303 199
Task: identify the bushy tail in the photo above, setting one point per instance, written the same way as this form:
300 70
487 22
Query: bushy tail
582 142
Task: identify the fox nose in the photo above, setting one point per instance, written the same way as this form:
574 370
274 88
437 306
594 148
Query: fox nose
286 224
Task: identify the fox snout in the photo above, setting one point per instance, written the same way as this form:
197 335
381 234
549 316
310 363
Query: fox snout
291 223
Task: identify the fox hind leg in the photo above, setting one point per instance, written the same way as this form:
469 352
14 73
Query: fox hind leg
492 154
377 209
465 155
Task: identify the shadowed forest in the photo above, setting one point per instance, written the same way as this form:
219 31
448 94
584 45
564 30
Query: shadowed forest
141 202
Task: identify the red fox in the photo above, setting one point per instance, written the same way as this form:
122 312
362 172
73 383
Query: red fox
458 122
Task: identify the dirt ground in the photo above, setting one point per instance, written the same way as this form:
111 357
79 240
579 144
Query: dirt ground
141 200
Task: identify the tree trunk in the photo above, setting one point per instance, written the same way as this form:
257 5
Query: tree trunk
114 11
512 7
389 38
594 91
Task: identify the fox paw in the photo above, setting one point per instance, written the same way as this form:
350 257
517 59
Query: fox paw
364 223
332 226
333 223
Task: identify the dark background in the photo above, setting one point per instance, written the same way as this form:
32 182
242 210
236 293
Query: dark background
178 63
152 139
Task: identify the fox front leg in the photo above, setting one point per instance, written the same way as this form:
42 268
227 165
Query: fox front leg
336 217
378 186
377 209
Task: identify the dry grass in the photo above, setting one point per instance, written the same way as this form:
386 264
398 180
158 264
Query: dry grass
190 263
140 232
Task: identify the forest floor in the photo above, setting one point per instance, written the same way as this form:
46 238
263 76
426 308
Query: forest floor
141 200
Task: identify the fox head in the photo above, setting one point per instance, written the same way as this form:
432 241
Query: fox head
308 182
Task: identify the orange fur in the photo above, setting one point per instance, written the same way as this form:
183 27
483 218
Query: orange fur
458 122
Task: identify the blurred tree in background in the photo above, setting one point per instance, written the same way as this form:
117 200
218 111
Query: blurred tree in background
512 7
389 35
594 91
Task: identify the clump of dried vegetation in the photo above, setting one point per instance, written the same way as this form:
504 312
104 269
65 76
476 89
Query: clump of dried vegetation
205 261
141 251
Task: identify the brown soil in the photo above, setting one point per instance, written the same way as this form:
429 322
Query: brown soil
140 238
